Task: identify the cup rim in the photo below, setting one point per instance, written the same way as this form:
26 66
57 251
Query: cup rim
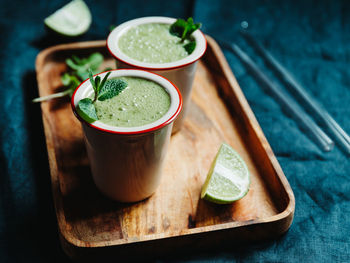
174 109
114 50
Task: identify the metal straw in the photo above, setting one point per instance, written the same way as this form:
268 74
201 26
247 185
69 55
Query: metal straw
325 143
323 116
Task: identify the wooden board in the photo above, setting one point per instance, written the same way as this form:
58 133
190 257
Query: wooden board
94 227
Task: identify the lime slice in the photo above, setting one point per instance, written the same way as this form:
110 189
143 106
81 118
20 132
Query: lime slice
228 179
71 20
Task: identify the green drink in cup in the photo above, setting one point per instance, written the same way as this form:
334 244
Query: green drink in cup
127 125
156 44
142 102
152 43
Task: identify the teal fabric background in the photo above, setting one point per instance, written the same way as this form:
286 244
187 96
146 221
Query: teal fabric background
311 38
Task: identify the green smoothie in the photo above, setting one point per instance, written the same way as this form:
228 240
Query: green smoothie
152 43
142 102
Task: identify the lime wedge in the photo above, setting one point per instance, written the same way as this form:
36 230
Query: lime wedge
228 179
71 20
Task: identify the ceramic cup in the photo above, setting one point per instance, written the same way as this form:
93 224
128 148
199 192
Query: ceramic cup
126 162
180 72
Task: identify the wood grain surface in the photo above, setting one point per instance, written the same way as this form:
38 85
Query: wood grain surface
93 227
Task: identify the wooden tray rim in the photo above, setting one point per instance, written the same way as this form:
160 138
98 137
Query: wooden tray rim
287 214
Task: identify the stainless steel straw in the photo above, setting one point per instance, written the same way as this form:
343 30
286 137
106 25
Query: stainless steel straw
322 140
323 116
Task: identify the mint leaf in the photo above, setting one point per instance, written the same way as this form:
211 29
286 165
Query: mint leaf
77 60
189 47
70 81
81 65
65 78
72 64
93 61
178 27
78 72
86 110
97 82
191 27
93 83
183 29
105 89
83 74
102 83
112 88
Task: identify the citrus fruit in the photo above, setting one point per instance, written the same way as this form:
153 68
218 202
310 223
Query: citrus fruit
71 20
228 179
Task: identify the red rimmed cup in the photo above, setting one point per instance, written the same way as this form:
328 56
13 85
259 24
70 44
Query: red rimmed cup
126 162
180 72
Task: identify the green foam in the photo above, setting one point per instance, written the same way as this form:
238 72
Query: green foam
152 43
142 102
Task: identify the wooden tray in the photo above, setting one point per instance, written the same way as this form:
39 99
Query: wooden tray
92 226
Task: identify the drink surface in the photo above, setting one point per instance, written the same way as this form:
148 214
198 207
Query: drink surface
152 43
142 102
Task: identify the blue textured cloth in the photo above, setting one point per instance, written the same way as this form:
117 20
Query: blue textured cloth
311 38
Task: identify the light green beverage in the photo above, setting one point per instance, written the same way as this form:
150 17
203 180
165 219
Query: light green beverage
152 43
142 102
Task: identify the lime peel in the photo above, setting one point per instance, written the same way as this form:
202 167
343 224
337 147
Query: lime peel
228 179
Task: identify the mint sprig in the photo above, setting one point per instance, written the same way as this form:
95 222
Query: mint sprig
81 65
184 29
112 88
87 110
189 47
103 90
77 72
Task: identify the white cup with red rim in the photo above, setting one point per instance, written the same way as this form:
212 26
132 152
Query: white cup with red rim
126 162
180 72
